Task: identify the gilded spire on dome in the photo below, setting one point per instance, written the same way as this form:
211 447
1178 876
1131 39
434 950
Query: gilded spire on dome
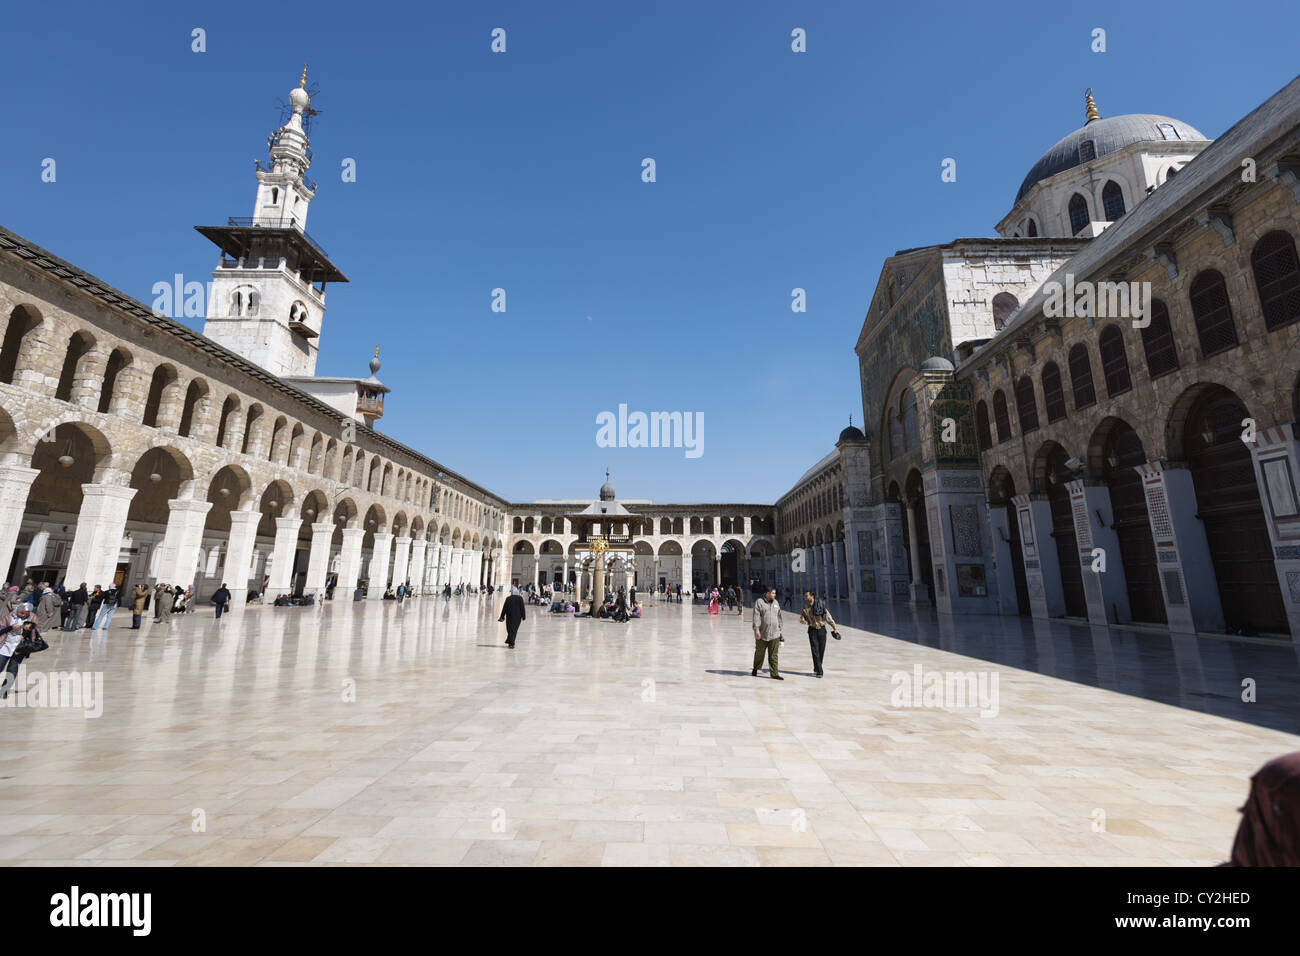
1090 107
302 84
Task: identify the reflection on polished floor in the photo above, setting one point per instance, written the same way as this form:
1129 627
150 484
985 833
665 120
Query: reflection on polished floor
373 733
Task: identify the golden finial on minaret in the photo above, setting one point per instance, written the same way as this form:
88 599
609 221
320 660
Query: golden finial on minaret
1090 111
302 84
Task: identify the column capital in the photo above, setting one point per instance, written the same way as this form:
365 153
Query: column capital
353 534
18 473
286 524
120 492
253 518
189 504
323 527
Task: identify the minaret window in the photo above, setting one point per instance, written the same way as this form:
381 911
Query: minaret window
1032 230
275 196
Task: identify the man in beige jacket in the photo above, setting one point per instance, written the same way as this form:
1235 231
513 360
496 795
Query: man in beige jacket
767 633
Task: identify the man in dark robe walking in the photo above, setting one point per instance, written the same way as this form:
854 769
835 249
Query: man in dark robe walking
512 612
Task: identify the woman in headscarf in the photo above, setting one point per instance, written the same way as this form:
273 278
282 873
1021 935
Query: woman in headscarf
1269 834
817 617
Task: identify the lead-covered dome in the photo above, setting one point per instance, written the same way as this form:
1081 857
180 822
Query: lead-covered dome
1107 135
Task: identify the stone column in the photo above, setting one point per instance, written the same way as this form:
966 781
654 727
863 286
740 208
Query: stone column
286 543
478 568
318 562
402 562
98 540
350 561
1276 455
1000 537
1187 580
181 541
688 570
15 484
379 561
417 565
537 570
835 568
1042 564
1106 589
444 564
918 590
239 555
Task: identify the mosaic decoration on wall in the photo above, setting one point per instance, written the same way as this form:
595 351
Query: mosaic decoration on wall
896 559
965 520
866 553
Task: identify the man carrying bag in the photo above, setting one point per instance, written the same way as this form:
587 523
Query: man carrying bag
817 617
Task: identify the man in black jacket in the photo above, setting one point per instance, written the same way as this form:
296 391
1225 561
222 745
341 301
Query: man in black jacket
76 601
512 612
221 599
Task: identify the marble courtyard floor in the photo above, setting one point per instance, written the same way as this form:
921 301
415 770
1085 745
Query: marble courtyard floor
372 733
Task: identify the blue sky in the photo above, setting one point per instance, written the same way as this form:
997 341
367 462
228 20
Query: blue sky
522 171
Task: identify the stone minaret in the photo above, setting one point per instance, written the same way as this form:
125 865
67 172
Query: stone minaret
268 291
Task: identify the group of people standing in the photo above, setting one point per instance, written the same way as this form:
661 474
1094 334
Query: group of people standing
766 621
57 607
725 600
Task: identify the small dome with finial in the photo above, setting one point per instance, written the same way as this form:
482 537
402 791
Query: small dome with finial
851 433
606 490
936 363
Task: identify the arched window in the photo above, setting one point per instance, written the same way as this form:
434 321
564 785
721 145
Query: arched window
1213 313
1114 362
1277 278
1053 393
1026 405
1032 230
78 347
1173 171
982 431
1000 416
1081 377
1158 342
1078 214
1112 201
1004 303
116 362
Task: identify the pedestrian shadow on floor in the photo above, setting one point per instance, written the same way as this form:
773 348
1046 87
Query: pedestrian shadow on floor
761 673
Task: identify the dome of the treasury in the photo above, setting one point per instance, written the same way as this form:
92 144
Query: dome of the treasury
1107 135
